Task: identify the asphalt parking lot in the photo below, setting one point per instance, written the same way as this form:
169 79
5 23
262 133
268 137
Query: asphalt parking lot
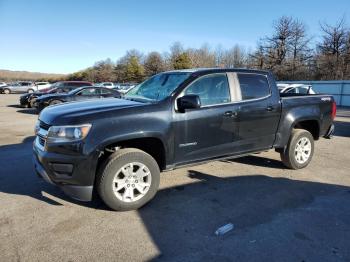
278 214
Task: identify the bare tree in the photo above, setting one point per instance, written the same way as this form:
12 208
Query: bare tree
332 49
300 50
278 44
202 57
258 57
153 64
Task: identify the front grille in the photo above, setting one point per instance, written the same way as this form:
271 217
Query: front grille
41 141
43 125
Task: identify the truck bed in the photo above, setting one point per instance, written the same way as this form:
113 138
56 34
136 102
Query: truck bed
304 107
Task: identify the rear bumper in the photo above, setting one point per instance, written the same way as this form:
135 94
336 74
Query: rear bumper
330 132
74 179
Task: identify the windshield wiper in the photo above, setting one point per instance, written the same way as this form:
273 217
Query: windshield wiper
139 99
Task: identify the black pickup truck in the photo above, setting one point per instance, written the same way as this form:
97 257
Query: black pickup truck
119 146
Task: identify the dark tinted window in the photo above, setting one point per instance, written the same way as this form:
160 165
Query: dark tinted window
297 90
106 91
211 89
88 92
253 86
76 84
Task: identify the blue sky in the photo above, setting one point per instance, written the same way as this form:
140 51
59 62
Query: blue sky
62 36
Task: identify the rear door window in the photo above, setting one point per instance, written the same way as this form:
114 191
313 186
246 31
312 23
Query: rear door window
253 86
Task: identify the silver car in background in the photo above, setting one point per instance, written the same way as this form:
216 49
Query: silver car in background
295 89
19 87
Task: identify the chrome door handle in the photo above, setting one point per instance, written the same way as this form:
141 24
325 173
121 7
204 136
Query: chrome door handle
230 114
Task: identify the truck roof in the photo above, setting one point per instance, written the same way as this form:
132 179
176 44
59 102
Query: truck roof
217 69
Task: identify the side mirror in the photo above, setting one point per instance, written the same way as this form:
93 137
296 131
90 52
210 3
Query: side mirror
188 102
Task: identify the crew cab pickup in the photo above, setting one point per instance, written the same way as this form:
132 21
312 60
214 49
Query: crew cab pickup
118 147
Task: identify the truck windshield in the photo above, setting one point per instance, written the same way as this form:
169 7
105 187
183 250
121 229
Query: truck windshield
157 87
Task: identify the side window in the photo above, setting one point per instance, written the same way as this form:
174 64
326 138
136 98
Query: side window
253 86
105 91
211 89
88 92
75 84
303 90
293 90
66 89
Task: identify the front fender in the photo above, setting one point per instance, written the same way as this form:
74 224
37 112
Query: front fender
130 136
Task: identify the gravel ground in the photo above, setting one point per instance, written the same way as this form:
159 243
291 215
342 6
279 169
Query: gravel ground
278 214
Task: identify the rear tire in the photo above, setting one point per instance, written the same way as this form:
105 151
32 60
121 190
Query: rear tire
7 91
30 91
299 150
128 179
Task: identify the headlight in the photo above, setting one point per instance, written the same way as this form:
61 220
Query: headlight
37 127
68 133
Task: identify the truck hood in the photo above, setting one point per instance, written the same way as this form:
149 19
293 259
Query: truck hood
78 112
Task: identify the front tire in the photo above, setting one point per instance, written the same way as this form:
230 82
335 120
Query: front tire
7 91
299 150
31 103
30 91
128 179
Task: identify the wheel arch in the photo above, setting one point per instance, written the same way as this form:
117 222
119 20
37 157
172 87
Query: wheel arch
311 125
152 145
301 117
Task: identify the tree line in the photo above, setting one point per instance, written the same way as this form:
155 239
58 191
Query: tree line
290 52
8 76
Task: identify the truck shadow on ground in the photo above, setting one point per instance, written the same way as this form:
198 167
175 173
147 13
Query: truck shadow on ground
256 160
17 176
181 220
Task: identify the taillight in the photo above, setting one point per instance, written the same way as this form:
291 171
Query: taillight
334 110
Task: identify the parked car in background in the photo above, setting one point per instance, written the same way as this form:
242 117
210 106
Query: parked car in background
28 100
2 84
295 89
19 87
118 147
78 94
106 84
124 88
42 85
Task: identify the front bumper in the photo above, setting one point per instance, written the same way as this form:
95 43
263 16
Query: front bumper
73 174
23 101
